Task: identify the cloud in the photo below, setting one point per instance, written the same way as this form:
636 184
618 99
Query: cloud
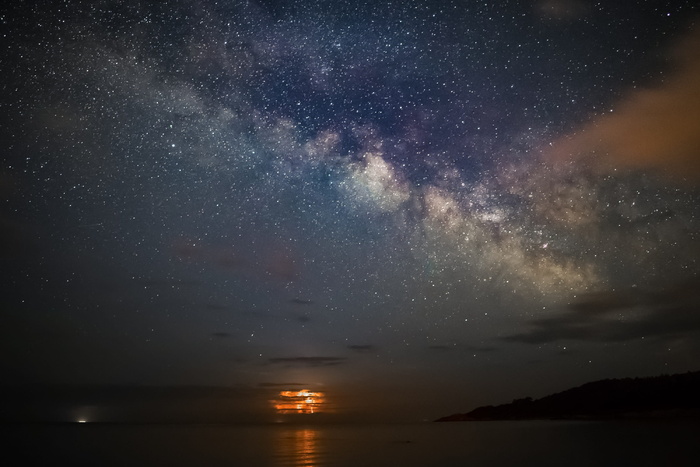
221 334
281 385
308 361
441 348
655 128
365 348
303 318
300 301
168 283
622 316
478 348
468 348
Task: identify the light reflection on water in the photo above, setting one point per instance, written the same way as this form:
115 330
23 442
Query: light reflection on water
295 446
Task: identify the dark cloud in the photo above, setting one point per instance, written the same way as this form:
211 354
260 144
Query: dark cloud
172 283
441 348
300 301
221 334
308 361
604 302
363 348
622 316
468 348
281 385
303 318
473 348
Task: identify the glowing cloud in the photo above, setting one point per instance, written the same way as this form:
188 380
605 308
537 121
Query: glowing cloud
299 402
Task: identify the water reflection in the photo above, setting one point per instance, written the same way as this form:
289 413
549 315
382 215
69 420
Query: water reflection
299 447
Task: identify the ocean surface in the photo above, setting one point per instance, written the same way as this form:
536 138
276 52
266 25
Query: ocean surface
526 443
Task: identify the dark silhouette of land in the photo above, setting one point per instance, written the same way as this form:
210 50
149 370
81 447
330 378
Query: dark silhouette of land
666 396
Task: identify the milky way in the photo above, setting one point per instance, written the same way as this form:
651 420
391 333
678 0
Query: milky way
494 198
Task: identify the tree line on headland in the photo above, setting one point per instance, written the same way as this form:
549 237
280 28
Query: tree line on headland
665 396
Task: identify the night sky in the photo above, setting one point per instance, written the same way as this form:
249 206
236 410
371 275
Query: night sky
414 207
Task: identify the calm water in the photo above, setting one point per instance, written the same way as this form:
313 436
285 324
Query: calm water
433 444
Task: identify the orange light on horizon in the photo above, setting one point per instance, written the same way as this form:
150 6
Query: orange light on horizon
299 402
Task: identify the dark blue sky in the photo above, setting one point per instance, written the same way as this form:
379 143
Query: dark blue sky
424 204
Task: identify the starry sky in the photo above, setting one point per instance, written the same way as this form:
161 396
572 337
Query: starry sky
416 207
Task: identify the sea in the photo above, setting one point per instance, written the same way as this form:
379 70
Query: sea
502 444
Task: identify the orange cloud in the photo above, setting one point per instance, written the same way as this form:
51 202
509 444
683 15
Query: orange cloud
299 402
656 128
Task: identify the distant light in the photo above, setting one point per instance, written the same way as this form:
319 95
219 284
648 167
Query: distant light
299 402
82 421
